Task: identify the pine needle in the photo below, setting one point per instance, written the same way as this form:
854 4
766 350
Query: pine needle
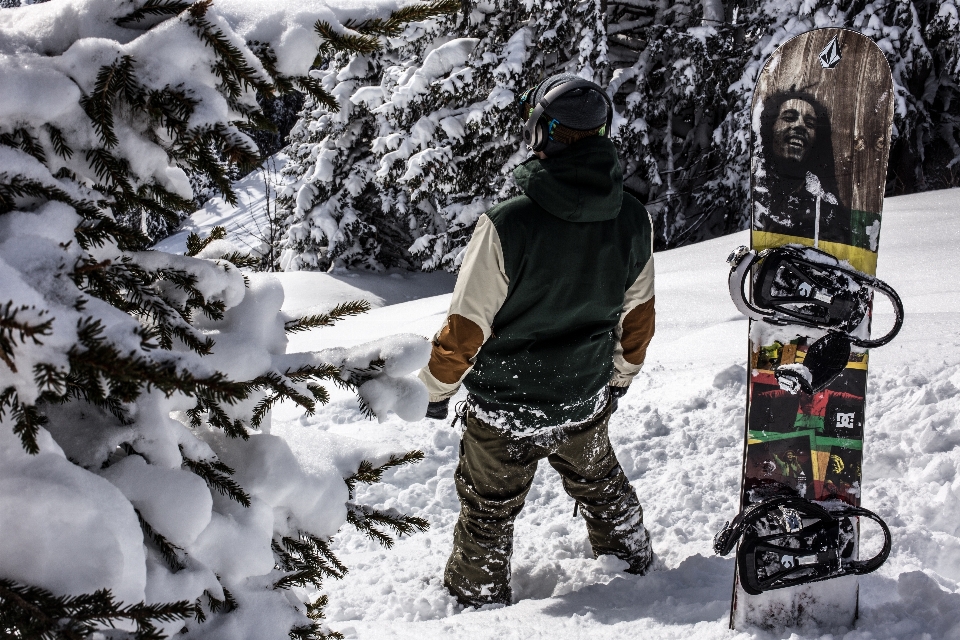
339 312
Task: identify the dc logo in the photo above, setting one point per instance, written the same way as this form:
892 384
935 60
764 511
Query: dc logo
787 561
804 289
845 420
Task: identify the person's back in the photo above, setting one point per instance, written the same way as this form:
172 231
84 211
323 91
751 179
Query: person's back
549 323
572 245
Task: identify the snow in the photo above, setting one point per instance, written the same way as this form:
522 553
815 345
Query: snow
176 503
678 436
81 533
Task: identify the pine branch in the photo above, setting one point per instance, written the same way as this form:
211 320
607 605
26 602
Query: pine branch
240 260
171 109
307 559
163 203
195 244
98 228
369 474
25 141
394 24
315 630
15 329
231 66
33 612
27 420
114 81
346 42
319 394
365 519
94 360
130 288
196 148
113 172
278 382
342 310
217 476
154 8
356 377
315 608
228 604
313 88
19 187
168 551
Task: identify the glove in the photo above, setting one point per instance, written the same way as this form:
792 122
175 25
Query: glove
438 410
615 394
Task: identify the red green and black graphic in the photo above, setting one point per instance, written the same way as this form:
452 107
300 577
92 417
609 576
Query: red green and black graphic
805 443
822 115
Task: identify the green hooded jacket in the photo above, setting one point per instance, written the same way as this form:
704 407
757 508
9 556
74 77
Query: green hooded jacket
572 247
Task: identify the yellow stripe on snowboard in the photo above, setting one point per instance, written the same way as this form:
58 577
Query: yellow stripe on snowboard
860 259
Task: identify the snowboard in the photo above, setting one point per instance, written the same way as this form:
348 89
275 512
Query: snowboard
821 122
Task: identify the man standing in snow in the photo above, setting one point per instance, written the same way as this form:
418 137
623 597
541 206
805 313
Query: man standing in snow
549 323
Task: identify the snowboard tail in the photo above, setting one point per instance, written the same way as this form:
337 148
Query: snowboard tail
822 115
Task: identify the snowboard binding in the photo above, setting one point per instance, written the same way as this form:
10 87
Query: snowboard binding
788 541
797 285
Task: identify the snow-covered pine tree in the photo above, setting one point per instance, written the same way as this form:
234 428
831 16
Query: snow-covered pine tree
684 143
141 487
425 138
450 129
689 92
335 213
681 75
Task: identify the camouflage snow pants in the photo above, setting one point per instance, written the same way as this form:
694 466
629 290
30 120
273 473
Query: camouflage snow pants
492 479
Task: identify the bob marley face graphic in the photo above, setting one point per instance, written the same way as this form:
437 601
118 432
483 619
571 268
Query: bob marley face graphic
794 131
796 190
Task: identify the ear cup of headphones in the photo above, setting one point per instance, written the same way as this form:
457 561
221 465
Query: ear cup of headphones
538 140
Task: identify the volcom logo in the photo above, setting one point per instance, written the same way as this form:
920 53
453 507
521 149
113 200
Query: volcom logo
787 561
830 56
845 420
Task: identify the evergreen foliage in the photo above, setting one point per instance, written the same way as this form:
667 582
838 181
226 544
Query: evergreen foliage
335 212
423 139
366 519
35 613
135 372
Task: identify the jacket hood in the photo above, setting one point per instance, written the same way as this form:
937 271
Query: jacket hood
582 183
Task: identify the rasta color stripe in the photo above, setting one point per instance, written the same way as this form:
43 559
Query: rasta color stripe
860 259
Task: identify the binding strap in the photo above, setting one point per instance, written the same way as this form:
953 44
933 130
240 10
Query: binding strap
791 551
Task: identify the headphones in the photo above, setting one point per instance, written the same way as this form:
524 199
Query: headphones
537 130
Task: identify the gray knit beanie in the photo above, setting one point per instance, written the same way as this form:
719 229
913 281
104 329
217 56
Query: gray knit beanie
581 109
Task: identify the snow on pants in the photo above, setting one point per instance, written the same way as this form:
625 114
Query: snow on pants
493 477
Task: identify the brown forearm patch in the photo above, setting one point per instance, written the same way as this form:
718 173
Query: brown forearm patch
457 343
638 328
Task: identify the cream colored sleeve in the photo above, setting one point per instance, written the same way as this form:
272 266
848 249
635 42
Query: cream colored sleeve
635 329
477 297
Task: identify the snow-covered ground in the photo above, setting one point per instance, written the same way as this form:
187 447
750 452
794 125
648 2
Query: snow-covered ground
678 435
